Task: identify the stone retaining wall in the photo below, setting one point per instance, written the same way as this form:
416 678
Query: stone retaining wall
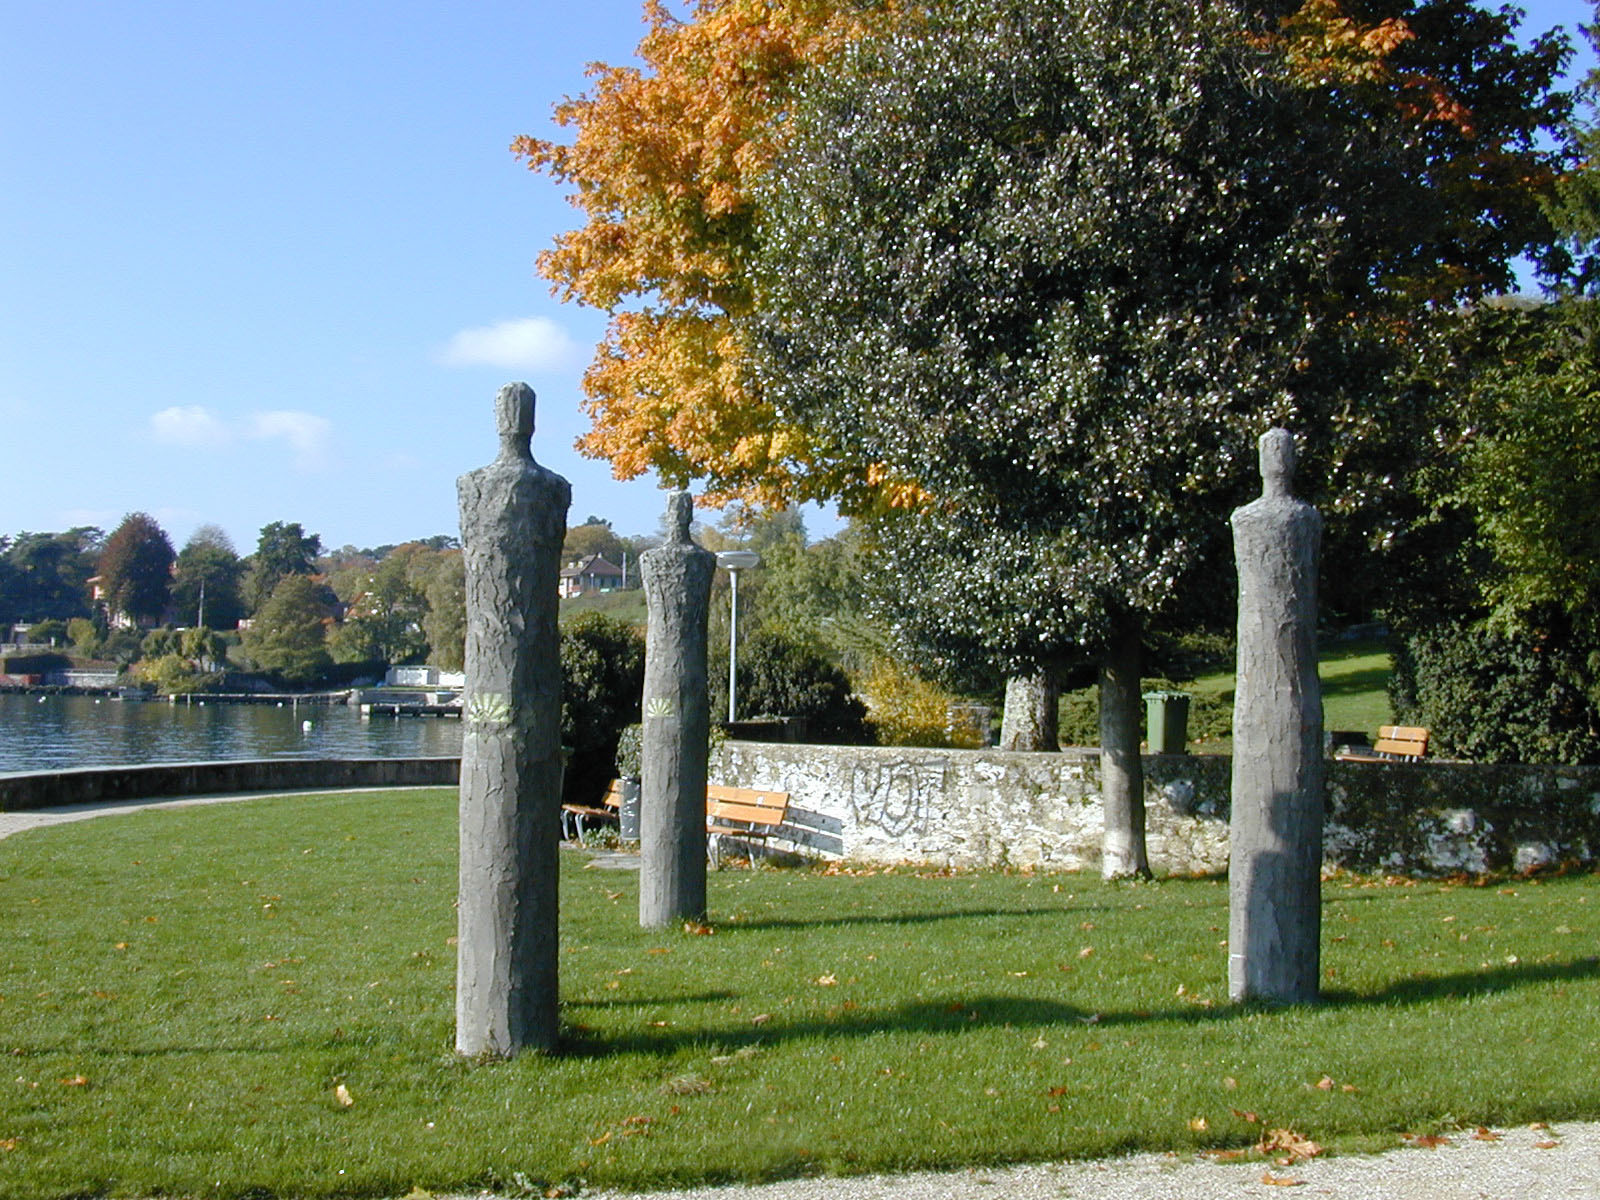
970 808
84 784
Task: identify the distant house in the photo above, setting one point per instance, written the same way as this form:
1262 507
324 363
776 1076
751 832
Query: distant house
592 574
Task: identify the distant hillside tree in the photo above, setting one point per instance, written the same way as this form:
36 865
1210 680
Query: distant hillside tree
288 635
205 586
283 549
45 575
136 569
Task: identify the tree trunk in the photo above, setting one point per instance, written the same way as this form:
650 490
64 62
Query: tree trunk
1032 713
1121 770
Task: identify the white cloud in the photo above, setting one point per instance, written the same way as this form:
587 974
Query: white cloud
532 344
189 425
196 427
306 433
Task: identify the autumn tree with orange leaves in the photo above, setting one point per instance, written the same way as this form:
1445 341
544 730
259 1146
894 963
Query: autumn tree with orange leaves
661 161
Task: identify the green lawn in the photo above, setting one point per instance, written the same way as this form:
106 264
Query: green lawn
183 994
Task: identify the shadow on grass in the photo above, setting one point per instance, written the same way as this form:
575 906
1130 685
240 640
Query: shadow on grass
1021 1012
756 924
1374 679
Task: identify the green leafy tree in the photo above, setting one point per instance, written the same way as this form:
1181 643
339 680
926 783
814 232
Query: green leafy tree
288 635
1060 262
602 668
45 575
206 583
594 536
445 625
136 569
283 549
385 614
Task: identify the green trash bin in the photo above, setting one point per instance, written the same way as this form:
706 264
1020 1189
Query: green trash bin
1166 721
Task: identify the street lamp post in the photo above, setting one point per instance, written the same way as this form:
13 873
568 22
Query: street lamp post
735 561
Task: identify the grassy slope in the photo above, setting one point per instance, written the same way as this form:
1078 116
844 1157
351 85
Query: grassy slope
214 975
1354 678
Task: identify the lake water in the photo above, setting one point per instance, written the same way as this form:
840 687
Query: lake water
48 733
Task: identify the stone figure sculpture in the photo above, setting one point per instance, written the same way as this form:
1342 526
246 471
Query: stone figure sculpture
677 722
1275 851
513 521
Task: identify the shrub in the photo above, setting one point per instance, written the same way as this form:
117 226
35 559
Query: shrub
602 669
780 676
907 710
1500 697
85 636
48 633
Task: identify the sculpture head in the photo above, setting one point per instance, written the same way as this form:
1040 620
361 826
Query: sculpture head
1277 462
680 510
513 415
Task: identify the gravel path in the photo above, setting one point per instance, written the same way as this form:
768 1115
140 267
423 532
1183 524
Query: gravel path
1557 1163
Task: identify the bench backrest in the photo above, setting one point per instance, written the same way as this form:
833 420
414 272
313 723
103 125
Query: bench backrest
746 805
1406 741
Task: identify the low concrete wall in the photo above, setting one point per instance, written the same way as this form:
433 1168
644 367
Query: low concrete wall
972 808
80 785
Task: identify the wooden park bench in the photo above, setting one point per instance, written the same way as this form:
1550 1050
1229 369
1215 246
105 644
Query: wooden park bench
746 814
574 816
1396 743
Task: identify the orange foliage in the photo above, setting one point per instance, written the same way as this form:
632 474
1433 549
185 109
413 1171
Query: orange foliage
1326 48
662 159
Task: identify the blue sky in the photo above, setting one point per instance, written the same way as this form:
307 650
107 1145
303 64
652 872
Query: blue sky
269 260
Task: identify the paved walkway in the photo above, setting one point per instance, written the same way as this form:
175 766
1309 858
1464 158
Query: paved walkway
1557 1163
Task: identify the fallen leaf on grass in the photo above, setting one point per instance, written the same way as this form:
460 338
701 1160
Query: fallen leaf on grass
1225 1155
1485 1134
1199 1124
9 1144
760 1018
343 1096
827 980
1281 1180
1085 952
1324 1084
75 1081
1249 1118
1547 1144
418 1193
698 928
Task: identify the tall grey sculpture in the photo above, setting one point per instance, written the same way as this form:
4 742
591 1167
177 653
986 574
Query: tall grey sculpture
677 723
1275 854
513 521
